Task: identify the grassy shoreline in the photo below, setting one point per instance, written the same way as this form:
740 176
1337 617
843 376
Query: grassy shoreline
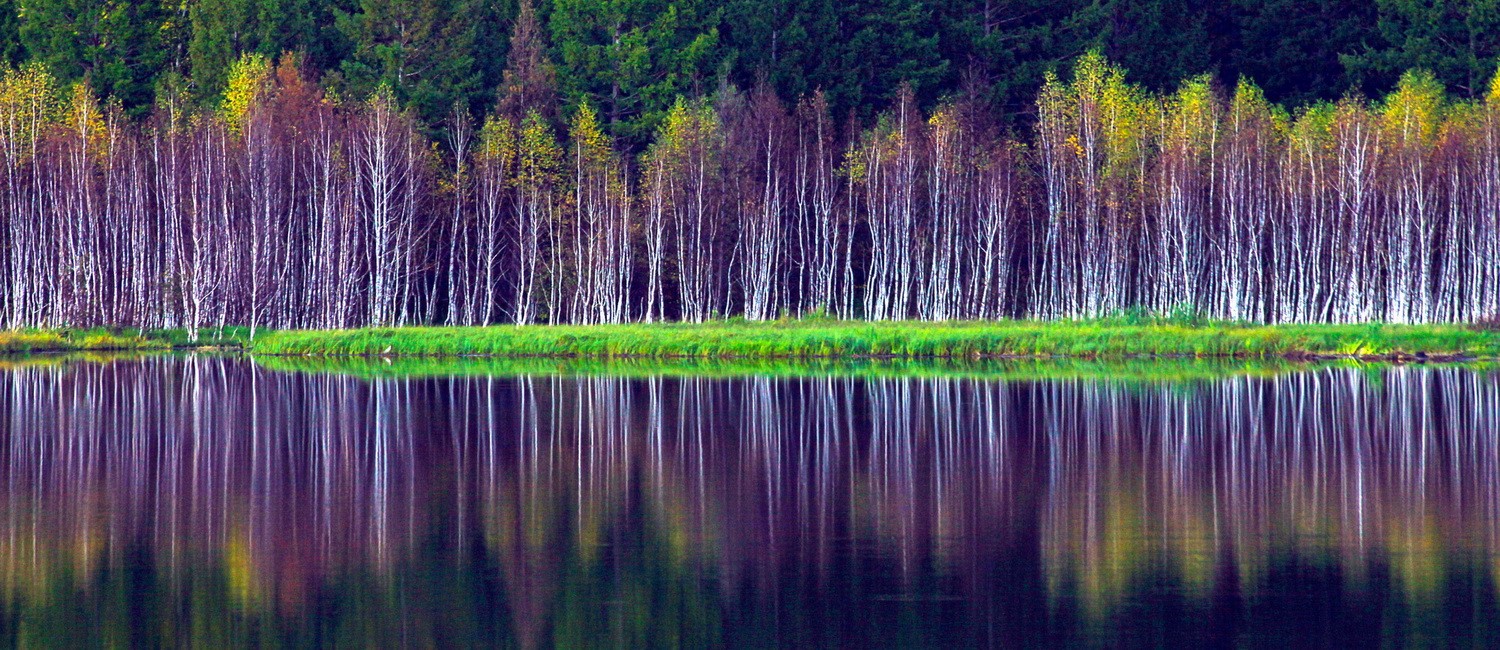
816 339
35 341
1105 338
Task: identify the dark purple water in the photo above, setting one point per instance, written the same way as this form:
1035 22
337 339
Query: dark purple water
209 502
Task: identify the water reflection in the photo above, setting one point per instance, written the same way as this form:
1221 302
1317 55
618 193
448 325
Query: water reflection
209 501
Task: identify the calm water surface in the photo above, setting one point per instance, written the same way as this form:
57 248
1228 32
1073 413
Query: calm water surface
210 501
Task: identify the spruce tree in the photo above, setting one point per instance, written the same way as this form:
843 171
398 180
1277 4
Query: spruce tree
632 59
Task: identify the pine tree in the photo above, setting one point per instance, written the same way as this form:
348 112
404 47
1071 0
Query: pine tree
422 50
633 58
114 45
220 33
11 51
1458 42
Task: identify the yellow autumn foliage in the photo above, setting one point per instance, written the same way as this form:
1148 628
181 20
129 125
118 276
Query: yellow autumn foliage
1191 117
540 157
588 138
29 104
691 129
1493 98
1413 113
86 120
249 78
497 141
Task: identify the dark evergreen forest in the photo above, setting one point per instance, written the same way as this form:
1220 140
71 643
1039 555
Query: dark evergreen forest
330 164
630 59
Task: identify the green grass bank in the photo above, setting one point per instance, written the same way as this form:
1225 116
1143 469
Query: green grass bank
28 341
812 339
1104 338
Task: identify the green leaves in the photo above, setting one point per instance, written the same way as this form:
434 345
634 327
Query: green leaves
117 45
1456 40
248 79
633 58
424 50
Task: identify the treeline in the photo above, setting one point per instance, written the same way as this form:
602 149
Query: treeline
629 59
289 207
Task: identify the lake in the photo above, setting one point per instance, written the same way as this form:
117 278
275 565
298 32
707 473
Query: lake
212 501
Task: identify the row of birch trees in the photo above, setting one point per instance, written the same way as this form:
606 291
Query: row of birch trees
281 209
286 207
1234 208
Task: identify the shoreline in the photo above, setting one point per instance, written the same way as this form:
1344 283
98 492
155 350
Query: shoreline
817 340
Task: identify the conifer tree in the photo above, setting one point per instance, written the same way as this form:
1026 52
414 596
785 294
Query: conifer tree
633 59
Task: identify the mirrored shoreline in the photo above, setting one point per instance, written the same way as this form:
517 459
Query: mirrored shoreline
212 500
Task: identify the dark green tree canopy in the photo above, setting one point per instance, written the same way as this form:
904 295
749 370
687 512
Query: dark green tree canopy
632 59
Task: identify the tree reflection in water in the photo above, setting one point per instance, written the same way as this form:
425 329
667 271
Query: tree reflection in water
208 501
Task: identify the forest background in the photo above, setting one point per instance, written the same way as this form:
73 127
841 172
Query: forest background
630 59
